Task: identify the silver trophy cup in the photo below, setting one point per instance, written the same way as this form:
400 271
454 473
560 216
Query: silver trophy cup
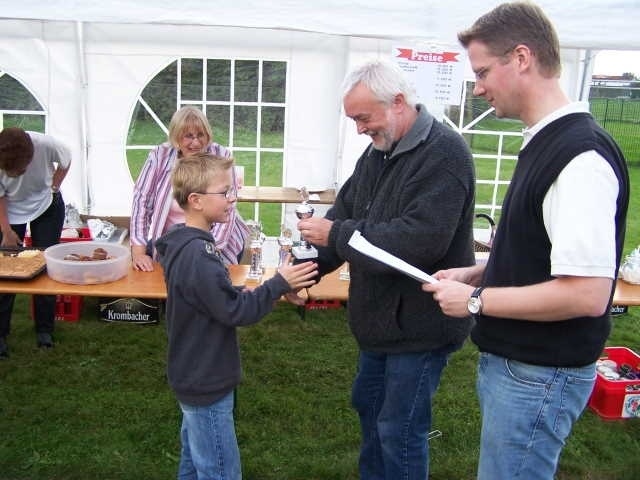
304 251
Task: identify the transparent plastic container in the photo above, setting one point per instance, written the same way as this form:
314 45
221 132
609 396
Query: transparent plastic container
92 272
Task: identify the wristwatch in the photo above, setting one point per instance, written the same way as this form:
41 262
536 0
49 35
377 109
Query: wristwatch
474 305
55 188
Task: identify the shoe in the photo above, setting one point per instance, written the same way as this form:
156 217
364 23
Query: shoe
45 340
4 349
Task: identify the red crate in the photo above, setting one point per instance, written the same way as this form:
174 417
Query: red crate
322 304
83 234
68 308
615 399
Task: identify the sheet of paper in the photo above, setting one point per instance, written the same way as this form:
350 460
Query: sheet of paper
361 244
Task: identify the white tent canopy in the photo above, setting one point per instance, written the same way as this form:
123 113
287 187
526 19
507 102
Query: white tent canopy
87 62
588 24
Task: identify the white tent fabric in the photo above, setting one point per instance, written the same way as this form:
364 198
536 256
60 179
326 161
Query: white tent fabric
590 24
87 62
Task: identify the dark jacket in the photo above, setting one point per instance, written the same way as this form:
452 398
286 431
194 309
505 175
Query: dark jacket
203 311
417 203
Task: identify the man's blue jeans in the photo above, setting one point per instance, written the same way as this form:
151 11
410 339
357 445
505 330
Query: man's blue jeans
209 444
392 395
527 414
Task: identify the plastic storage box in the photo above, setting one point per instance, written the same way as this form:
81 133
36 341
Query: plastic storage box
87 272
615 399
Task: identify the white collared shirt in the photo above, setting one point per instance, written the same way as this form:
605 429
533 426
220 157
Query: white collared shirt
579 210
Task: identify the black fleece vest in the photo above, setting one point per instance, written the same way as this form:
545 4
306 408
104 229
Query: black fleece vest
521 250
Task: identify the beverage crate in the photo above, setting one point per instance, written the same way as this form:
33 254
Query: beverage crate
322 304
620 398
84 234
68 308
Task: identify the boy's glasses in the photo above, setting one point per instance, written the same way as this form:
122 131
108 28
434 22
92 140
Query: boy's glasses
231 192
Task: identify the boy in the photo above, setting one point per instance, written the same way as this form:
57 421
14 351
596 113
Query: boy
203 311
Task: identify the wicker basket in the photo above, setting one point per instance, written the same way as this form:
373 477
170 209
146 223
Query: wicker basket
479 245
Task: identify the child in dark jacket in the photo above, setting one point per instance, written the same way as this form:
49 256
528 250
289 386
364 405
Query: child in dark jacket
203 310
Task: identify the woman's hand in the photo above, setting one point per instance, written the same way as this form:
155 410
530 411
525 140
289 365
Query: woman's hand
142 262
10 238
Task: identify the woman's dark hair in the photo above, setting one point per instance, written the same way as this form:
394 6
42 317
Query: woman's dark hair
16 149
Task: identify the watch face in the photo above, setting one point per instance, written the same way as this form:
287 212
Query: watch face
474 304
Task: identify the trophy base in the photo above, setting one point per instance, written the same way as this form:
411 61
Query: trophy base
253 279
302 253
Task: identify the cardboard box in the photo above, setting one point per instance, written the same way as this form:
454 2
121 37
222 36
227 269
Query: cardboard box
615 399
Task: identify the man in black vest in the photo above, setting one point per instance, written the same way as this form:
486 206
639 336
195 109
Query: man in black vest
542 300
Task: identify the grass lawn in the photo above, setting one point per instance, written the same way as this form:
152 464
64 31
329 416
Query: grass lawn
98 406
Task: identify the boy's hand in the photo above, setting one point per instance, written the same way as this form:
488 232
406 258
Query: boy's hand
300 275
294 298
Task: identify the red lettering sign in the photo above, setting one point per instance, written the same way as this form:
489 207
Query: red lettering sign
431 57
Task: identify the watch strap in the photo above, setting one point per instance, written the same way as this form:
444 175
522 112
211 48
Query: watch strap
476 293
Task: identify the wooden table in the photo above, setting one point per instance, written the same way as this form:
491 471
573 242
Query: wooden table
626 294
330 287
151 285
333 288
135 284
283 195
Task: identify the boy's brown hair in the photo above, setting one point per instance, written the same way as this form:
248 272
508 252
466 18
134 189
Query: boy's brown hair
193 174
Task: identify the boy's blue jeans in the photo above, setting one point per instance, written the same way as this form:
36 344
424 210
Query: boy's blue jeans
392 394
527 414
209 444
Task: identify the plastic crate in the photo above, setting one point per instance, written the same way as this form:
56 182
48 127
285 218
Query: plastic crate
83 234
322 304
616 399
68 308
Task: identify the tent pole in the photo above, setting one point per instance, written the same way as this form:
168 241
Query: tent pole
586 75
338 174
84 147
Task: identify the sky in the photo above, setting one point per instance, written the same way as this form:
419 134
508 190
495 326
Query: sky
617 62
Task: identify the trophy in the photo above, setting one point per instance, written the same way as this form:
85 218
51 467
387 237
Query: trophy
255 247
304 251
286 243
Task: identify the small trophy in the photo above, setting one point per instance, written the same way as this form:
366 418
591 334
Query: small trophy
285 241
255 247
344 273
304 251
